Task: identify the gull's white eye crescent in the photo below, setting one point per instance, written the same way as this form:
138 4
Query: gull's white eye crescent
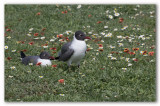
80 35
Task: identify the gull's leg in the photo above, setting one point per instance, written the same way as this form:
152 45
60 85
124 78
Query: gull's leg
69 62
78 64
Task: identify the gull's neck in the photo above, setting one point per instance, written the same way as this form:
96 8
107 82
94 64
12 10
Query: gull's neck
75 40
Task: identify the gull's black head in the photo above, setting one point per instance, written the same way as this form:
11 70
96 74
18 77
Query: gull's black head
80 35
46 55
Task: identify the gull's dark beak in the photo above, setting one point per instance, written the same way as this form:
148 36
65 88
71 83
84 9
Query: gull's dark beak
51 58
88 37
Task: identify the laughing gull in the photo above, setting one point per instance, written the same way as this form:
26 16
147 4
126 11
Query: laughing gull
44 59
75 50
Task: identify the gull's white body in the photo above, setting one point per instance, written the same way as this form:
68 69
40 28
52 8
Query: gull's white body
44 62
79 48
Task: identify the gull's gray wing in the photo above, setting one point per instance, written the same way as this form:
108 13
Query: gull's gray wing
65 56
65 47
30 59
65 52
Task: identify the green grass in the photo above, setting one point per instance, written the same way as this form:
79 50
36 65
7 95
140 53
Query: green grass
98 79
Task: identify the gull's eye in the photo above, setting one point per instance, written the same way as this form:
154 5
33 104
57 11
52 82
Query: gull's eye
80 35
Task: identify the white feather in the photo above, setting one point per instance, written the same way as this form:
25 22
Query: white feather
79 48
44 62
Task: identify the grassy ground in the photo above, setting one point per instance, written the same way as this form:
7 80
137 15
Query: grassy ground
107 73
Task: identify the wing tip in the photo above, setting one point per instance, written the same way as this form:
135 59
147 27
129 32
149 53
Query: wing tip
22 54
57 58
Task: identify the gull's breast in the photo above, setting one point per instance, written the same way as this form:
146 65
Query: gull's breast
79 51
